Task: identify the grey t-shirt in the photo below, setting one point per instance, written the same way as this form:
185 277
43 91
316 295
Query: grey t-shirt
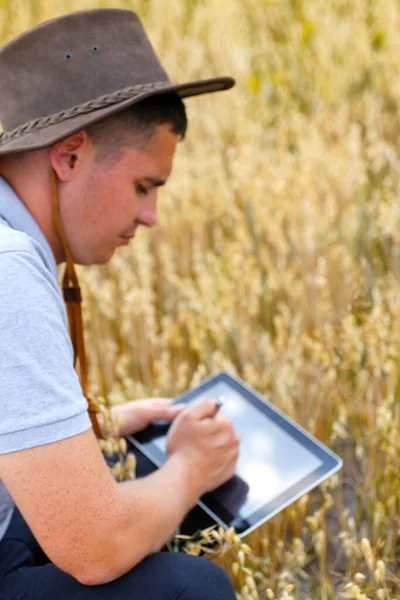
41 399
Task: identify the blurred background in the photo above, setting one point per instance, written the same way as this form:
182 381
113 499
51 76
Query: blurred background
277 258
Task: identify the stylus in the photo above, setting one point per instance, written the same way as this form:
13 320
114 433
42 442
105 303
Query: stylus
220 402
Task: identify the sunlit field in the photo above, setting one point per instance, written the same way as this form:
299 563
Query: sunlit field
277 258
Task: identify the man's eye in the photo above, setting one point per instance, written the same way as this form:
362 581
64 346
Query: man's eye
141 189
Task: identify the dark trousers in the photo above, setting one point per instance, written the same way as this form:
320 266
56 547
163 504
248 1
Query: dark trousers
27 574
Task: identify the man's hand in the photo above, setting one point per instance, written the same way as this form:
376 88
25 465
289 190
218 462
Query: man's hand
138 414
207 443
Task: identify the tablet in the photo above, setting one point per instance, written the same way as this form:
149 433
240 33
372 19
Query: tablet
278 461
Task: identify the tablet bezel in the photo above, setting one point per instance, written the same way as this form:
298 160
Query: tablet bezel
330 461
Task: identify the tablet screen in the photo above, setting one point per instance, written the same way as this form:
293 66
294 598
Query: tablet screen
278 461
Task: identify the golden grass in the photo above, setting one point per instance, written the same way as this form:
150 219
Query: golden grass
277 257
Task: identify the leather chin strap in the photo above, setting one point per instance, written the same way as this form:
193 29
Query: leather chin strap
73 300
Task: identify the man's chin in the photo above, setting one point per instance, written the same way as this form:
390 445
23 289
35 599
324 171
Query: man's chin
99 259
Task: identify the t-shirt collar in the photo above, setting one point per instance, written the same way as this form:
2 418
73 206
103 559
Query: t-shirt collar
18 217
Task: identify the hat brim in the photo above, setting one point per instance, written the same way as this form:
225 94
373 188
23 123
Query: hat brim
42 138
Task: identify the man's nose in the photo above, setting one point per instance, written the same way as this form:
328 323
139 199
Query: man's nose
147 218
148 213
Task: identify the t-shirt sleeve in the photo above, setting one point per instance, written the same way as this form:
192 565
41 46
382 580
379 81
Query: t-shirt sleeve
41 400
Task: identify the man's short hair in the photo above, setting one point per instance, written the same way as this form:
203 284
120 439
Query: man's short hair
135 126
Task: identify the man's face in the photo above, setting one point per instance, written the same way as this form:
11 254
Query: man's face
102 206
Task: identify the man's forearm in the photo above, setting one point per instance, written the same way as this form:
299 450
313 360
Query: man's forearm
150 510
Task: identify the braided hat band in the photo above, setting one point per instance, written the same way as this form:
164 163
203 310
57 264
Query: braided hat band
43 132
90 106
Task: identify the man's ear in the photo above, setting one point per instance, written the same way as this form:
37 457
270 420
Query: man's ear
67 155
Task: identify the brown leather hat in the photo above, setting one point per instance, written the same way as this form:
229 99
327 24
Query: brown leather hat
61 76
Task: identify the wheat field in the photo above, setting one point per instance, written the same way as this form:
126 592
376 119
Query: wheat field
277 258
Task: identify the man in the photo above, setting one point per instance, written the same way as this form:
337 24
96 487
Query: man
91 123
